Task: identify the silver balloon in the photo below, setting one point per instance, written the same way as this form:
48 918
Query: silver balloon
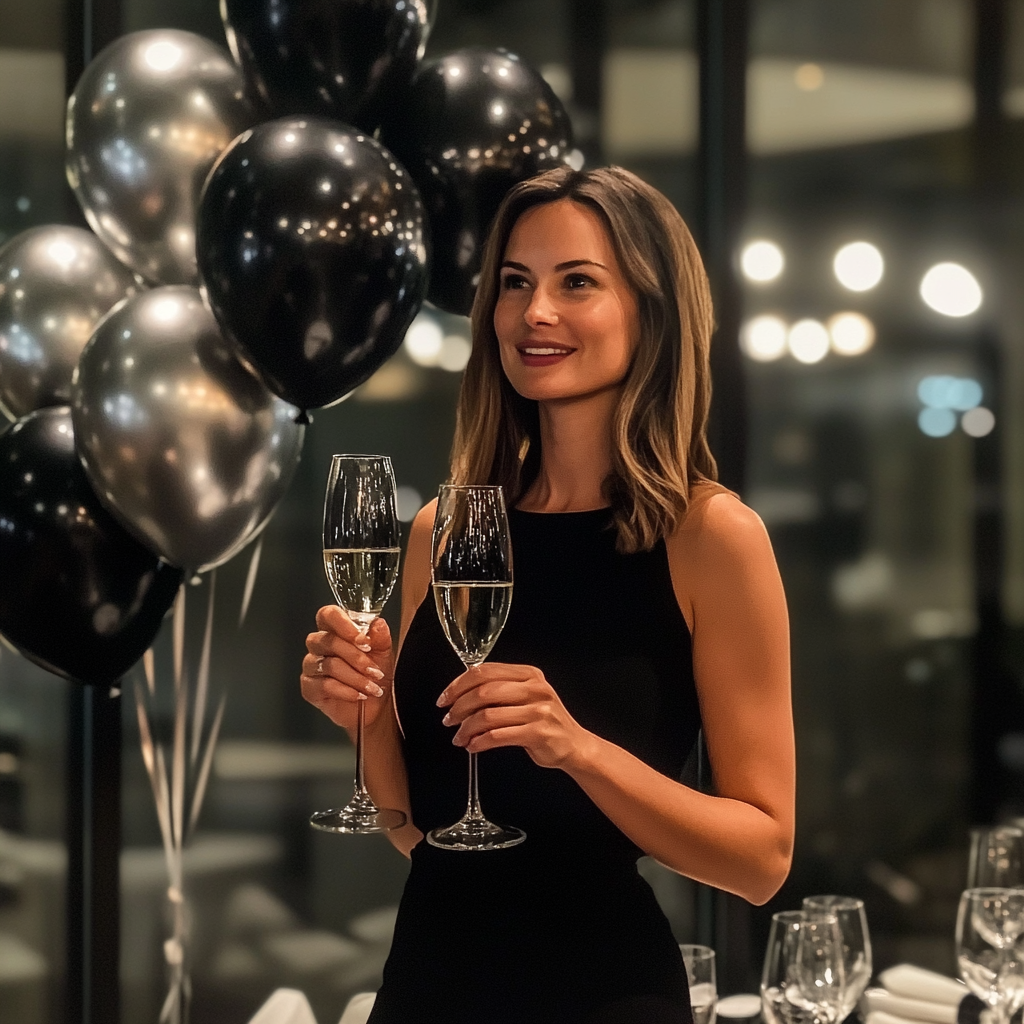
182 442
145 123
56 282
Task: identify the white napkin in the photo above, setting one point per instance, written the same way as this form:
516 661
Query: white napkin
916 983
285 1006
358 1009
880 1000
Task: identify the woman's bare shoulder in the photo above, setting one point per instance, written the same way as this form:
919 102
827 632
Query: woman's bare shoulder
719 543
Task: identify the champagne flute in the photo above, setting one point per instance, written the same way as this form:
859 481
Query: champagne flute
361 556
996 858
700 976
989 925
471 574
803 978
853 927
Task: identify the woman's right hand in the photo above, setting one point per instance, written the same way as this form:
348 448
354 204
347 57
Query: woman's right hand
343 667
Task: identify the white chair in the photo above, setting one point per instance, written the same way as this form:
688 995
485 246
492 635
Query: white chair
285 1006
358 1009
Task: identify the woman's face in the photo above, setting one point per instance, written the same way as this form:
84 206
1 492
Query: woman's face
566 319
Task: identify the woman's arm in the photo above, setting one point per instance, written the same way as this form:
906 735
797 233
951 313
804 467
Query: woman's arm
741 839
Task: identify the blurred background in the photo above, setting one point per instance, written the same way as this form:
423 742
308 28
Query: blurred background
854 170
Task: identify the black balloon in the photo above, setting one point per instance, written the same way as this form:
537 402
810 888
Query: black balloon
311 246
78 595
476 123
343 59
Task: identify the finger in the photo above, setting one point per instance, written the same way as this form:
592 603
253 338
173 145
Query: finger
333 619
506 736
480 674
341 670
379 635
500 692
325 645
322 693
487 719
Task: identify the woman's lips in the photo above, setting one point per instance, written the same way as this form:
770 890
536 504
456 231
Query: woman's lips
543 355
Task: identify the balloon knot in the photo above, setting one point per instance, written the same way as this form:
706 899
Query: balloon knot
303 419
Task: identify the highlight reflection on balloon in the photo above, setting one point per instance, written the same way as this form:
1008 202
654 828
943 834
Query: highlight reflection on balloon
345 59
311 242
145 123
183 443
56 282
476 123
79 595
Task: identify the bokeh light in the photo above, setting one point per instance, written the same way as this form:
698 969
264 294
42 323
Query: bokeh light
423 340
852 334
942 391
936 422
978 422
858 266
762 261
951 289
808 341
763 338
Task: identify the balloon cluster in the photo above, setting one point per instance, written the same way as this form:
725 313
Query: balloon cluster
264 231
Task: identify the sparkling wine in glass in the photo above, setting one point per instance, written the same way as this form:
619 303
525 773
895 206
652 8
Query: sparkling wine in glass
471 575
803 981
989 928
853 926
361 556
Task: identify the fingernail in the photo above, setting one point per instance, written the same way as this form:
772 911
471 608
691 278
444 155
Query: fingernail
374 689
374 673
363 647
443 699
458 740
361 696
447 720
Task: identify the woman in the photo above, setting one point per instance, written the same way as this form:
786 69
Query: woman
647 604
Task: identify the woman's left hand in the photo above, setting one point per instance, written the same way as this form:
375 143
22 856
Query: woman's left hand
496 705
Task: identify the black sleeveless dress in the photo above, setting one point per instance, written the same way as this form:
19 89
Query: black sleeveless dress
561 928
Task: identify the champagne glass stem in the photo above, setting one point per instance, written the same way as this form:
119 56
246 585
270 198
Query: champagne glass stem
473 811
360 785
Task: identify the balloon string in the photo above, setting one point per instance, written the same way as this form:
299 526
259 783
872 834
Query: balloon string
202 682
250 580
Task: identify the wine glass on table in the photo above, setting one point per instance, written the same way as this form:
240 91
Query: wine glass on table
996 858
361 556
853 927
471 575
803 980
989 928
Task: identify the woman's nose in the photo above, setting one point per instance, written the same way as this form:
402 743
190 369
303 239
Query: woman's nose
540 310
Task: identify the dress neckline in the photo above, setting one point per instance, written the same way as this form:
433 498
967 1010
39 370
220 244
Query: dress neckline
575 512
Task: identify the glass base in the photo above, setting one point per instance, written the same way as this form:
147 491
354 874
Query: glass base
475 834
359 817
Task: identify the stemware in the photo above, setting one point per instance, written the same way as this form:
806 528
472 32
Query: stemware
700 976
989 924
471 576
996 857
853 927
361 556
803 981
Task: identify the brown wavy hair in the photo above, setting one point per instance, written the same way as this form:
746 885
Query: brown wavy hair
660 447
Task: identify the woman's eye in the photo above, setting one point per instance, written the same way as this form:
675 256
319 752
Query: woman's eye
578 281
510 281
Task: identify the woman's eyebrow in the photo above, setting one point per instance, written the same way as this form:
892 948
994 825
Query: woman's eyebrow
568 265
